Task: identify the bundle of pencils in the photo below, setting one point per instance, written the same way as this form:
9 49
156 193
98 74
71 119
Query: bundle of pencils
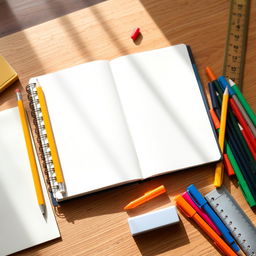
231 113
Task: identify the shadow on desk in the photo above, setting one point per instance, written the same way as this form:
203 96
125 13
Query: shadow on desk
18 15
162 240
113 200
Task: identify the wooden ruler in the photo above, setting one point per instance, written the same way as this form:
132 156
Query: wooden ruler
236 40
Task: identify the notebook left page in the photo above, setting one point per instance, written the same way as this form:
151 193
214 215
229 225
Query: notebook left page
93 142
22 224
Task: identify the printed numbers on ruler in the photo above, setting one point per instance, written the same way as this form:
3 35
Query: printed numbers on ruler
236 40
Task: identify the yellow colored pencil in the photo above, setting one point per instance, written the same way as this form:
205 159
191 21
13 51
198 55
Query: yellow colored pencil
223 118
51 141
32 160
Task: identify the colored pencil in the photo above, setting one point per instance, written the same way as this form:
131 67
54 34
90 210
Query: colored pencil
248 143
229 161
51 141
219 168
223 82
246 117
232 124
243 102
31 155
245 179
243 123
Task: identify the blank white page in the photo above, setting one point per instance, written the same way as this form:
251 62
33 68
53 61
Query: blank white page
93 142
164 109
22 224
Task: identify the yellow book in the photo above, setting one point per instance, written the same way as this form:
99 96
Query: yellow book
7 74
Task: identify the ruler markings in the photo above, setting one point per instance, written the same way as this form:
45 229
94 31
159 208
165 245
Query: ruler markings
234 218
236 40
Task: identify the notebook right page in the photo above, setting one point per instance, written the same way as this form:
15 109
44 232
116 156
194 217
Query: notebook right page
165 110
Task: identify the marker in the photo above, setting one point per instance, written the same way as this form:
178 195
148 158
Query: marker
210 74
214 99
201 202
228 166
191 213
147 196
203 215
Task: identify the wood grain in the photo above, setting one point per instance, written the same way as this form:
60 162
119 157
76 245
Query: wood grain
96 224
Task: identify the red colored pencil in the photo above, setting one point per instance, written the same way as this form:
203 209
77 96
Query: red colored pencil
249 144
243 123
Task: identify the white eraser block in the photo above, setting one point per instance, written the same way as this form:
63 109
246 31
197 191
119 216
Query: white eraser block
153 220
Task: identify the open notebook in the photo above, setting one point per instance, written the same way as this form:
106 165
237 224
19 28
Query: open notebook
22 224
131 118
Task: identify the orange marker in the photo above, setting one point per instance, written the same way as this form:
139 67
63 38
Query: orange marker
147 196
215 119
210 74
228 165
187 209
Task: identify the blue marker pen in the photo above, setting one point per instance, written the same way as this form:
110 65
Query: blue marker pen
223 83
202 203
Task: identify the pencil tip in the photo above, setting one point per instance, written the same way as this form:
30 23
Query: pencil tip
42 208
231 82
226 90
37 82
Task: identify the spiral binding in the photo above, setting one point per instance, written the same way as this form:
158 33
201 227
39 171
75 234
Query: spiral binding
44 150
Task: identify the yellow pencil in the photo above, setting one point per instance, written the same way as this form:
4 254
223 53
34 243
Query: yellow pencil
50 137
32 160
223 118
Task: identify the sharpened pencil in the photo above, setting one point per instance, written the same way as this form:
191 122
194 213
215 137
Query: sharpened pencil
219 168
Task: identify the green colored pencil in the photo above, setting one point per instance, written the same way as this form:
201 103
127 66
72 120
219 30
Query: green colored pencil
241 181
244 149
243 101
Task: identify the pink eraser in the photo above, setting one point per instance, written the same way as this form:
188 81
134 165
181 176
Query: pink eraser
17 90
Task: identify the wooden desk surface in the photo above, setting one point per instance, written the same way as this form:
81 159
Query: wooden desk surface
97 224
